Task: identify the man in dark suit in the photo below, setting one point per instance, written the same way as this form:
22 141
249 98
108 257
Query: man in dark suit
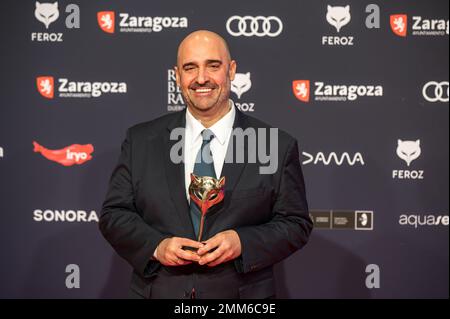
147 216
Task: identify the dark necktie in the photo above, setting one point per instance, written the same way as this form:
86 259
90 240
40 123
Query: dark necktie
204 166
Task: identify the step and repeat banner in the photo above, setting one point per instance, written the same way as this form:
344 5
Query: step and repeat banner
362 85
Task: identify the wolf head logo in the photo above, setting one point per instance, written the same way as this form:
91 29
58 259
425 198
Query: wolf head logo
338 16
46 12
408 150
241 83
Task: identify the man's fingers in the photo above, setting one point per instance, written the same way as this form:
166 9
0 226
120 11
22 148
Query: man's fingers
209 244
212 256
187 255
189 242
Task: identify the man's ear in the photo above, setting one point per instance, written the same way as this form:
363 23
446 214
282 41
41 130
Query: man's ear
232 70
177 75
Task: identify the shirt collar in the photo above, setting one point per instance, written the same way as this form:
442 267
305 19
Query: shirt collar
221 128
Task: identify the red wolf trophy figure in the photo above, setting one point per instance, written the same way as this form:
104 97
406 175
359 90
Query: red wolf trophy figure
206 192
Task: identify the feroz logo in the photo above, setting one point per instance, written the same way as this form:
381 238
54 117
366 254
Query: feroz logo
241 84
106 21
45 86
408 151
301 89
259 26
68 156
436 91
338 16
46 13
399 24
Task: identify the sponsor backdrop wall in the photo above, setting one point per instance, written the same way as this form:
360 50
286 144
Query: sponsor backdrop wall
362 85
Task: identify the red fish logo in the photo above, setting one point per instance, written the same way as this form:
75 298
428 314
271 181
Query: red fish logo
45 86
301 90
106 20
68 156
399 24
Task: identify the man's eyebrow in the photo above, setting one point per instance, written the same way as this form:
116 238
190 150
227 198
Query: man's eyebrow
189 64
210 61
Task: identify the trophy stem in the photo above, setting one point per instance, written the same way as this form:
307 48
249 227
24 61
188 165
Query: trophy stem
202 221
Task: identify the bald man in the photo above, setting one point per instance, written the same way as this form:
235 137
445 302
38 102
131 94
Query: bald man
148 216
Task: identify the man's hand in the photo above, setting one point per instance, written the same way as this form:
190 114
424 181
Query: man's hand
170 253
228 247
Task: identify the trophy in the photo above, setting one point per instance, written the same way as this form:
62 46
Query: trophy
206 192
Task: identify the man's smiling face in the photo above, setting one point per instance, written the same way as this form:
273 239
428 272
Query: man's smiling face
204 71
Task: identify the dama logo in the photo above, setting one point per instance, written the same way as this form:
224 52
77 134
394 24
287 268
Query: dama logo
333 158
399 24
106 20
45 86
68 156
301 89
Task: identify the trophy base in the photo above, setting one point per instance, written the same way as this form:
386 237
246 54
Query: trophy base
193 249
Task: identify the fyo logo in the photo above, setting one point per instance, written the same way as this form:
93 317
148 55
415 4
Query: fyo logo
259 26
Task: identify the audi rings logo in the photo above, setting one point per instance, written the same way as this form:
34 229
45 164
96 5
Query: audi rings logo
254 26
436 91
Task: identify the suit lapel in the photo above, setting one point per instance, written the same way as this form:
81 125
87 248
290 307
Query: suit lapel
175 175
232 171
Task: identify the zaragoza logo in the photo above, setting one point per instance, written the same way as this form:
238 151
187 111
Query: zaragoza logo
68 156
106 20
45 86
137 24
399 24
301 89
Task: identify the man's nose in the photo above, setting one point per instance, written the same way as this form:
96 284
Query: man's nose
202 76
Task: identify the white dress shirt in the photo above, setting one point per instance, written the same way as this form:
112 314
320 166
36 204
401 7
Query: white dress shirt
219 144
193 141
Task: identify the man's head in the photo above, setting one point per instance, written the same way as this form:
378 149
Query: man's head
204 71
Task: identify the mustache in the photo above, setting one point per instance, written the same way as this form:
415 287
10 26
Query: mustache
207 85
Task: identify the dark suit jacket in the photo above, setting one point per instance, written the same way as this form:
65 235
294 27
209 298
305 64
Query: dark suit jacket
146 203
